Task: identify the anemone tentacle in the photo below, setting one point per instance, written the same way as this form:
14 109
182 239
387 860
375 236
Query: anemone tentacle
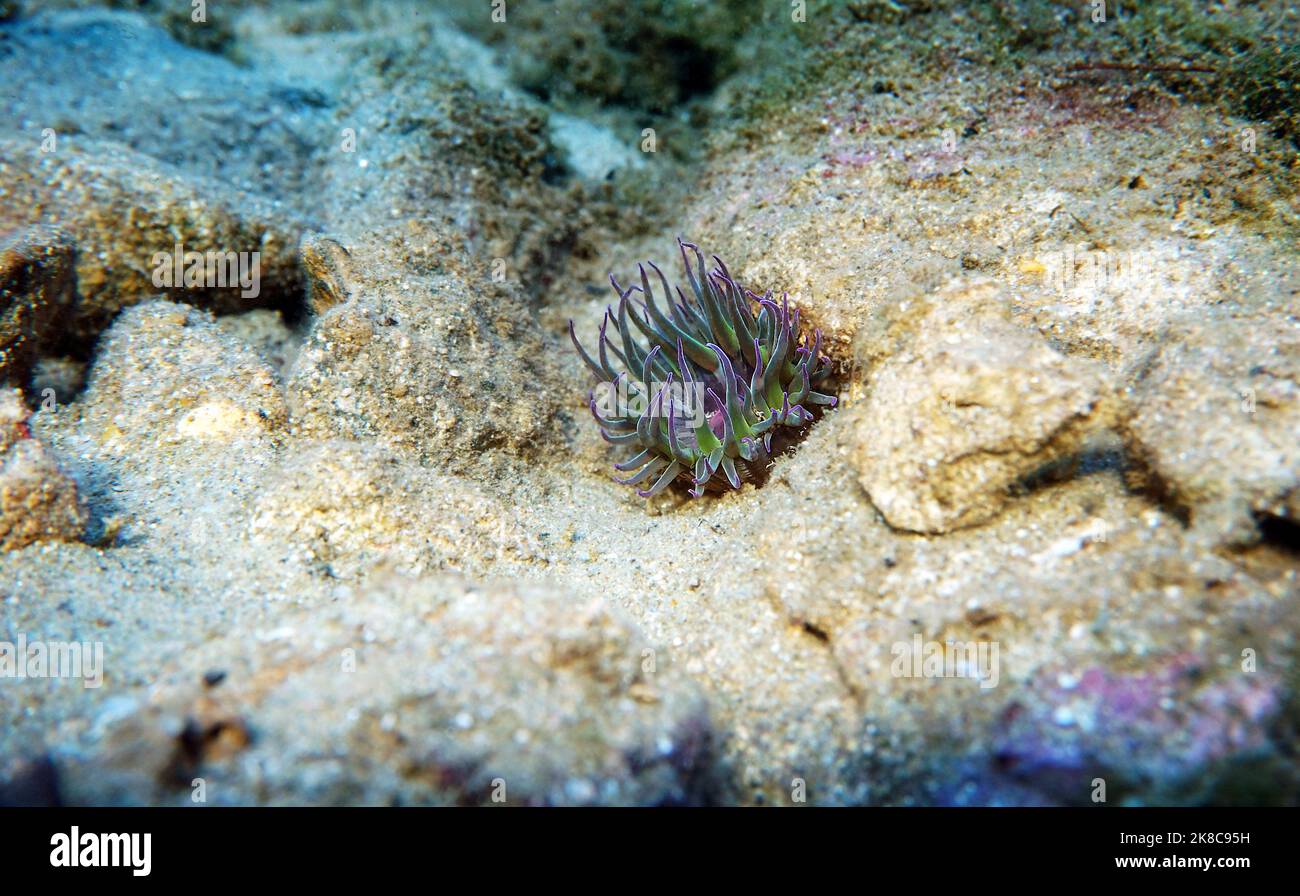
720 368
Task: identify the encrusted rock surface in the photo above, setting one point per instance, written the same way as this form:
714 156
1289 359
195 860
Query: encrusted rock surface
404 362
35 296
436 691
1217 422
972 405
38 502
90 188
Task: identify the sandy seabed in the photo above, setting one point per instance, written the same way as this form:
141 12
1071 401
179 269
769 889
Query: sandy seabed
352 536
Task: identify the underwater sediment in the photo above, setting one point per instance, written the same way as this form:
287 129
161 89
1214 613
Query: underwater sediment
333 507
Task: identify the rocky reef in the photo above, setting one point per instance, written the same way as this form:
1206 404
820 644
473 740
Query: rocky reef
292 428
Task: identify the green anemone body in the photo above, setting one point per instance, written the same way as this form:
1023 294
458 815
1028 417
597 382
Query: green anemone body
701 382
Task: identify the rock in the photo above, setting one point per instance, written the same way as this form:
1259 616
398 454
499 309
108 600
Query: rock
208 116
13 418
561 703
169 374
329 270
1168 722
593 152
973 404
158 746
128 188
520 696
37 501
36 296
266 332
179 411
1216 423
347 508
1080 678
441 367
90 188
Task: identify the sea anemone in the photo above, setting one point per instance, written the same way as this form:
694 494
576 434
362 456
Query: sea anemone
722 372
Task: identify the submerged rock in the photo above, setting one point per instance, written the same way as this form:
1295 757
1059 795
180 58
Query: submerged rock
38 501
972 405
440 366
169 377
433 691
184 234
1216 422
36 296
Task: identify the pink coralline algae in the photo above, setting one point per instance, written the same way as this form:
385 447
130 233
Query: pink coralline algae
1162 727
